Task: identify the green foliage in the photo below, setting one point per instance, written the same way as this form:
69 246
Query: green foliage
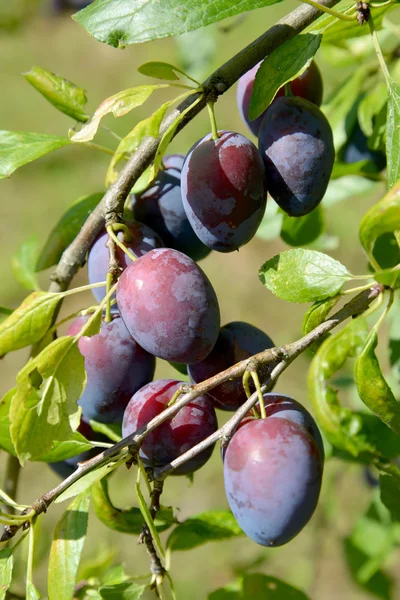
85 482
203 528
66 548
65 230
161 70
18 149
390 493
303 275
301 231
122 591
258 587
23 263
61 93
285 63
393 133
6 568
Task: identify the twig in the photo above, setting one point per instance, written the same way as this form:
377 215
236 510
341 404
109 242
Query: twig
279 358
110 208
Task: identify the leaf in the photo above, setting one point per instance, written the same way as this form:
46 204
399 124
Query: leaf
370 106
258 586
61 93
122 591
120 23
393 133
5 438
6 567
303 275
66 549
394 341
390 494
119 105
300 231
111 430
316 315
44 407
382 218
19 148
23 263
149 127
125 521
284 64
31 592
85 482
180 367
204 527
373 388
29 322
160 70
67 449
66 230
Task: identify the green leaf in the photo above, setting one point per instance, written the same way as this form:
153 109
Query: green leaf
85 482
370 106
149 127
180 367
31 592
122 591
29 322
125 521
61 93
390 494
5 437
44 407
6 567
111 430
67 449
160 70
316 315
258 587
373 388
300 231
204 527
23 263
393 133
382 218
119 105
66 548
66 230
284 64
19 148
394 341
303 275
119 23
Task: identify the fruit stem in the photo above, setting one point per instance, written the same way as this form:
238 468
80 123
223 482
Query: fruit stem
330 11
257 384
109 280
112 235
288 90
211 114
125 229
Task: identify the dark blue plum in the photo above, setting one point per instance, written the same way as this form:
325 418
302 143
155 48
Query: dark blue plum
191 425
161 208
272 473
116 367
236 341
223 190
169 306
173 161
357 149
296 143
308 85
144 239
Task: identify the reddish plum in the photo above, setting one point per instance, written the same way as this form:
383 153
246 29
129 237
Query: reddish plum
192 424
169 306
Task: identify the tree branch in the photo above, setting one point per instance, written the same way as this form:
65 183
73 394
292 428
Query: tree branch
279 358
110 208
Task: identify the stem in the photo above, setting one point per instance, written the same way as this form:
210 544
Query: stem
31 548
385 312
99 147
11 479
120 244
378 51
211 114
329 11
357 289
256 381
83 288
288 90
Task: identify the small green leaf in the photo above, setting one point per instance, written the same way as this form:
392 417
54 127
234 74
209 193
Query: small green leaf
180 367
85 482
44 407
284 64
19 148
66 549
390 494
61 93
23 263
300 231
67 449
6 567
382 218
316 315
119 105
370 106
373 388
204 527
122 591
29 322
66 230
256 585
393 134
5 437
112 430
160 70
303 275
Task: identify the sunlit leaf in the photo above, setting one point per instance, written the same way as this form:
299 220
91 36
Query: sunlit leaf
19 148
203 528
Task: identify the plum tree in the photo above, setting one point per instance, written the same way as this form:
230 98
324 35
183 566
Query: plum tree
143 239
116 368
223 190
192 424
308 85
236 341
272 474
296 143
161 207
169 306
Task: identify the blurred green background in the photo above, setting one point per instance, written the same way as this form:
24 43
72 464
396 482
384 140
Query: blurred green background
38 194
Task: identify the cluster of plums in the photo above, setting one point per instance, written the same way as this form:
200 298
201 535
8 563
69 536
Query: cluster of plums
165 307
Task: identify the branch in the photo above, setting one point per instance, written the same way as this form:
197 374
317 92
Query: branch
110 208
278 358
